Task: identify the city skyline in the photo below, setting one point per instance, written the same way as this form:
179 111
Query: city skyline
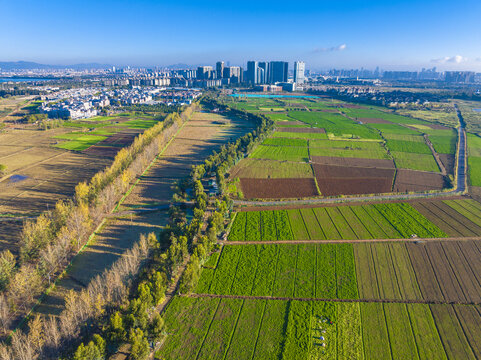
396 35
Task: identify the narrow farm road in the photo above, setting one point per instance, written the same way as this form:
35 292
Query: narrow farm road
415 240
399 301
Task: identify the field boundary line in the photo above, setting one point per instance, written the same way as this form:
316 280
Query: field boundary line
284 298
293 242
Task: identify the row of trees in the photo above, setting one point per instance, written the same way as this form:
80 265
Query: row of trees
138 321
50 241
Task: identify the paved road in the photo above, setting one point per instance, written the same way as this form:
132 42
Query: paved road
458 190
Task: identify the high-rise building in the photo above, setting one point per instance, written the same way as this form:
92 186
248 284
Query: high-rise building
465 77
252 70
264 79
299 69
205 73
234 73
278 71
219 67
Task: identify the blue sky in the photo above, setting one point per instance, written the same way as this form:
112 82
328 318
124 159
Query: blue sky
342 34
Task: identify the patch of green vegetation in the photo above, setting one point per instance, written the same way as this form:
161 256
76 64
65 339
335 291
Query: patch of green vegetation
290 153
272 169
81 142
424 162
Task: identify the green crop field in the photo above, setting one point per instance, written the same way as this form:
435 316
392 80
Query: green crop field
299 154
81 142
406 160
207 328
324 271
395 220
408 146
271 169
444 141
280 141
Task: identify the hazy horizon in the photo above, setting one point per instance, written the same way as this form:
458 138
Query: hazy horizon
399 35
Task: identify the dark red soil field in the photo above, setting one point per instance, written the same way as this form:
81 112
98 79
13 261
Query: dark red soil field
373 121
334 171
353 162
278 188
411 180
102 151
343 186
122 139
289 123
345 180
447 219
438 127
448 162
447 270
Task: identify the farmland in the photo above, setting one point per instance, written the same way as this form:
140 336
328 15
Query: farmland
313 129
396 220
273 329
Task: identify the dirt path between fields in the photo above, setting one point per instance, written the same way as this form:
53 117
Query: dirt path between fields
414 240
399 301
436 155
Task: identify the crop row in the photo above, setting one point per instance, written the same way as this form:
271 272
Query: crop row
380 221
324 271
268 329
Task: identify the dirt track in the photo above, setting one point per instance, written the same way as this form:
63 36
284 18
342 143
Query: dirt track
190 146
400 301
413 240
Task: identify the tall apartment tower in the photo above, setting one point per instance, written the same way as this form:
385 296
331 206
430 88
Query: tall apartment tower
278 71
299 69
264 78
219 68
252 70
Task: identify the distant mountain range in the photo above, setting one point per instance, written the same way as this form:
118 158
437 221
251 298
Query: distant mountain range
27 65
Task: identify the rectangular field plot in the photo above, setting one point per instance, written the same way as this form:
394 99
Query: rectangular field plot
309 271
378 221
271 169
290 153
276 329
423 162
457 218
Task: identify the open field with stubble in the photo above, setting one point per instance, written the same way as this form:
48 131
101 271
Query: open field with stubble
195 140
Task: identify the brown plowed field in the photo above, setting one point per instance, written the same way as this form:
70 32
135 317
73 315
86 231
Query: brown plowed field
373 121
344 186
438 127
448 162
102 151
353 162
330 171
278 188
289 123
344 180
452 269
411 180
446 218
123 139
302 130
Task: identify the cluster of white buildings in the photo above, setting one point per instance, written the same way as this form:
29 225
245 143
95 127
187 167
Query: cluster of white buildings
84 103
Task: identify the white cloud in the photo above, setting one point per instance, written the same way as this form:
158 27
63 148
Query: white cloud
331 49
458 59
